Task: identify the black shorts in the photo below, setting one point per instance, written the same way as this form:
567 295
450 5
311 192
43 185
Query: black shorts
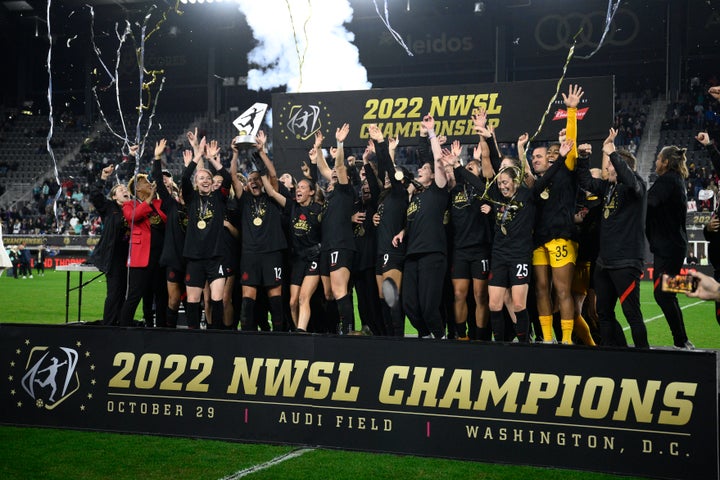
470 263
335 260
389 261
174 276
509 274
301 268
261 269
228 270
197 272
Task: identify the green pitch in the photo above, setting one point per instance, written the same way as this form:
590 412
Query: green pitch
61 454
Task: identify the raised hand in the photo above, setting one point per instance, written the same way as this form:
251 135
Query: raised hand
715 92
565 147
611 137
260 140
106 172
562 135
428 122
305 170
584 149
318 139
342 132
375 133
522 140
192 138
187 157
456 148
212 149
703 138
393 142
479 118
160 147
572 99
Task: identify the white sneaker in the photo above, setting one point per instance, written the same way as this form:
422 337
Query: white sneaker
31 276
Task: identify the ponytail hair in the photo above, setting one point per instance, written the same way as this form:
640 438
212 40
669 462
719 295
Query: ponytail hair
676 160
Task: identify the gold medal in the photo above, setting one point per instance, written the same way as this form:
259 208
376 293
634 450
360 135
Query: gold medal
503 229
257 221
606 212
545 194
201 224
361 231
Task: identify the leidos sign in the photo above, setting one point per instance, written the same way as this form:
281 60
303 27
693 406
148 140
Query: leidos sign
651 413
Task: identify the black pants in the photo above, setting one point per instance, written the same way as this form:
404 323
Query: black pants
115 297
668 300
717 304
145 281
422 289
368 300
621 284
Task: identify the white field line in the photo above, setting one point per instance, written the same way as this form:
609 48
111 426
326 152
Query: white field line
268 464
663 316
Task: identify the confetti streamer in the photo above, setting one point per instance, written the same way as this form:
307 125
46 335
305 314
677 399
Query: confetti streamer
48 139
609 15
301 58
571 52
386 22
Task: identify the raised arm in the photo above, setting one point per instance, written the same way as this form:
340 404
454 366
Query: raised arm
322 165
260 142
274 194
340 167
572 100
157 171
440 179
711 148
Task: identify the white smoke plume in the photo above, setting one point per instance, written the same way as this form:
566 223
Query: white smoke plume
320 41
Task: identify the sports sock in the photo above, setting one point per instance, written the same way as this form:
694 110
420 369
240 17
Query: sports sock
567 330
546 326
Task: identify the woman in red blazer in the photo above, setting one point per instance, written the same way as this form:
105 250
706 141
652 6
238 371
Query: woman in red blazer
146 278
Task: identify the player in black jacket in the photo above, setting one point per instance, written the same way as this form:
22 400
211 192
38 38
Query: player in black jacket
665 230
622 243
110 254
424 236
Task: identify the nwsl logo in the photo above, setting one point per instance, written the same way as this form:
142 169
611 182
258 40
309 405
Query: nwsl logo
51 377
304 120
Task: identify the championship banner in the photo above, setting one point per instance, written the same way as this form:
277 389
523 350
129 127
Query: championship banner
512 108
52 241
647 413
